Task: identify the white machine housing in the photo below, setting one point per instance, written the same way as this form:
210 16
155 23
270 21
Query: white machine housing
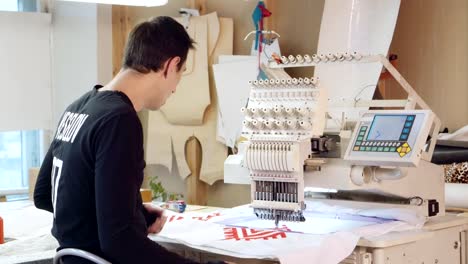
388 179
281 118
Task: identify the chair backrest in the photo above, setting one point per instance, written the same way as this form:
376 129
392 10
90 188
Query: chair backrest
79 253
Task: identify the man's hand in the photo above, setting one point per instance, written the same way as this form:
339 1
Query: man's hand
158 224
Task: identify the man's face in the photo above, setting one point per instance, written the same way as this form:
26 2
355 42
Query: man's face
168 85
173 79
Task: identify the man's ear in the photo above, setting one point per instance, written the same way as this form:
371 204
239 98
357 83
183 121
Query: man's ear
171 65
174 63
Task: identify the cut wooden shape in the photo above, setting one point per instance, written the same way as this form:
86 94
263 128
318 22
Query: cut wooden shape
187 105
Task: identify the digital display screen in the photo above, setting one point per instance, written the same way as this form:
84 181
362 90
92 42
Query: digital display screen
386 127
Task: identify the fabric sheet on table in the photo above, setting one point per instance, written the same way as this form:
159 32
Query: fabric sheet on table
237 232
27 230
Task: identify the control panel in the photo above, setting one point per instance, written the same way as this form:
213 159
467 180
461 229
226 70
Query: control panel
390 137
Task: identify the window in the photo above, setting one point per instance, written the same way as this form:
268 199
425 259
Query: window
9 5
18 5
19 150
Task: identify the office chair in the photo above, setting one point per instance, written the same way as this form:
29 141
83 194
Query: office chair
79 253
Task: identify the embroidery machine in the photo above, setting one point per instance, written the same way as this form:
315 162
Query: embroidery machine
296 150
380 159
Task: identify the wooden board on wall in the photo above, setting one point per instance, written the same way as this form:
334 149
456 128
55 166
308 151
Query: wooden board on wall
431 41
121 26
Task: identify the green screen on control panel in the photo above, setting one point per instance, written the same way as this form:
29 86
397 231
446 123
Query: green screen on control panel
390 127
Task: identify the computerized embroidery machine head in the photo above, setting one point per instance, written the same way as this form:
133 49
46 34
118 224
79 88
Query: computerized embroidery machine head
296 151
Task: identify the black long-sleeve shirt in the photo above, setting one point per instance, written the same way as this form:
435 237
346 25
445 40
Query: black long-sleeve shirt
90 181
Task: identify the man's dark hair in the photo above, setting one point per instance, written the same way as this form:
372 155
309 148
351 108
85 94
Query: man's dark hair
152 43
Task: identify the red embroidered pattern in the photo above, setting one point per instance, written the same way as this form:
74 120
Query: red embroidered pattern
206 218
247 234
200 218
174 218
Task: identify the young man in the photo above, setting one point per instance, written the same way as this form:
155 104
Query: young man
92 173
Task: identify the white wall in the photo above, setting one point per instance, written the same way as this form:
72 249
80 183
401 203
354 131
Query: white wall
24 71
81 51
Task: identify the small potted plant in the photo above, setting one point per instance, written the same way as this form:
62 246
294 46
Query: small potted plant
159 193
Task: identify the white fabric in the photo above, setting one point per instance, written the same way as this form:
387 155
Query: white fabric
232 75
400 214
459 135
200 231
30 227
365 27
204 231
21 219
25 71
237 232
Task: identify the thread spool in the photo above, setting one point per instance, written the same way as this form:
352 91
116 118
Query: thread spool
248 111
291 124
272 82
279 124
246 123
288 111
314 81
323 58
294 81
347 56
301 111
299 59
340 56
283 81
252 111
288 81
292 59
266 111
307 58
284 60
300 80
357 56
331 57
254 123
316 58
307 81
257 124
277 111
269 124
304 125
